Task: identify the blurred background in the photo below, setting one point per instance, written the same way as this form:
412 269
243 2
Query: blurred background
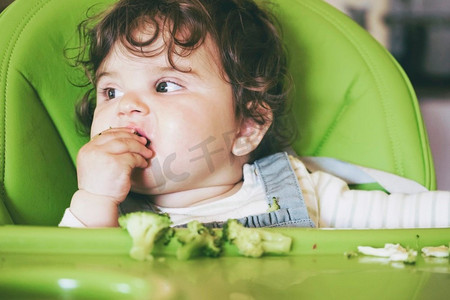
4 3
417 33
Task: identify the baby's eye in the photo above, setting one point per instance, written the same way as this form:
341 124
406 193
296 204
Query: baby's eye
167 86
111 93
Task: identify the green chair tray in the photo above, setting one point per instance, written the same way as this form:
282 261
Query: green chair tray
63 263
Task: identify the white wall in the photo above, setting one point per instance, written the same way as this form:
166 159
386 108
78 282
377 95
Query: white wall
436 114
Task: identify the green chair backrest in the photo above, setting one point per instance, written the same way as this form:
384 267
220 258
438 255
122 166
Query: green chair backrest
352 100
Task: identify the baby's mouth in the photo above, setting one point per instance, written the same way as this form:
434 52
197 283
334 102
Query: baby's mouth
136 132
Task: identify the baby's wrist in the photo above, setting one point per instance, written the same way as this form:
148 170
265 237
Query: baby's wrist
95 210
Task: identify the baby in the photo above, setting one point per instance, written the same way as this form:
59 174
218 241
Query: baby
191 119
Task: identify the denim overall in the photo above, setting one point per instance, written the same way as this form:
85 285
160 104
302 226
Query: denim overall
279 181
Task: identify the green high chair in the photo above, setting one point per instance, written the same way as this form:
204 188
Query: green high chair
352 99
353 103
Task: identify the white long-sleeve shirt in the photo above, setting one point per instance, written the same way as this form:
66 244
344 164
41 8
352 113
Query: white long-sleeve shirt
330 204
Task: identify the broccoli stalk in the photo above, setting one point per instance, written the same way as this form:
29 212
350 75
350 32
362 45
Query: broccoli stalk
255 242
198 240
145 229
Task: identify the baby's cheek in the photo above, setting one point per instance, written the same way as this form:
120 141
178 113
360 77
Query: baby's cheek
100 122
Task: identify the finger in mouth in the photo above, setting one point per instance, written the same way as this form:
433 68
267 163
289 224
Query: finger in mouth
148 141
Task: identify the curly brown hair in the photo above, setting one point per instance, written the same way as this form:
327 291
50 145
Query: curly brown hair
248 38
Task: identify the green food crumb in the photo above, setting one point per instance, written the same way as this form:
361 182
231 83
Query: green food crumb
351 254
412 256
274 206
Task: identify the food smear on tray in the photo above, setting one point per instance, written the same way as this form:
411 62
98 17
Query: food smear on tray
441 251
394 252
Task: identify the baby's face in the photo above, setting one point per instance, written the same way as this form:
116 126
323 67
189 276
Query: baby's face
187 116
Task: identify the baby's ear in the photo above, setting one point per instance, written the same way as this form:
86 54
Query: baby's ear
251 133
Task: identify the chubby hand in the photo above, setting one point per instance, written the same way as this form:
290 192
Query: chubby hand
105 164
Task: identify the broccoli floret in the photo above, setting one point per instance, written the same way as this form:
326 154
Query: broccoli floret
145 229
198 240
254 242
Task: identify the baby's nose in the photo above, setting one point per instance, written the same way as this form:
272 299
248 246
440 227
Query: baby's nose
133 104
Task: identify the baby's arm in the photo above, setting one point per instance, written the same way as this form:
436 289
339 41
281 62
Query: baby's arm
343 208
104 167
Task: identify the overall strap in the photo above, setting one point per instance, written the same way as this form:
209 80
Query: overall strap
279 180
280 183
